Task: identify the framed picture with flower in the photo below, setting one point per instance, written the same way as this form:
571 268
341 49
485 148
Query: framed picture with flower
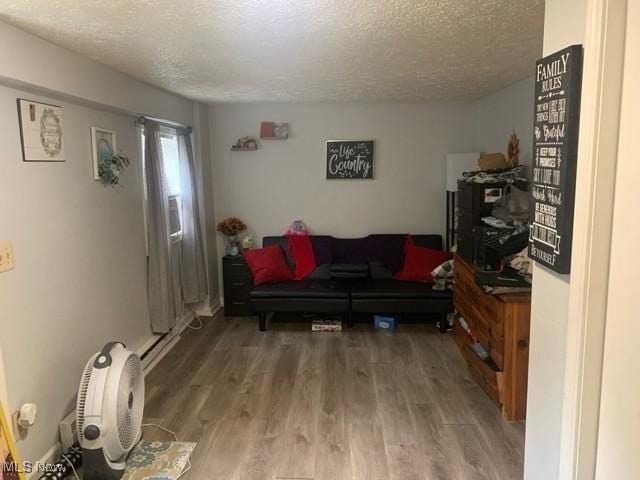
103 146
41 131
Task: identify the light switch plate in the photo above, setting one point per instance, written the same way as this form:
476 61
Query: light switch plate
6 256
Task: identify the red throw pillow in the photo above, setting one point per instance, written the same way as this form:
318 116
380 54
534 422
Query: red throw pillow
301 251
419 262
268 265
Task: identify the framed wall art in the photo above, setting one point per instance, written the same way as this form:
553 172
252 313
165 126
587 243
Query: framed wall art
274 131
103 147
349 159
555 157
41 131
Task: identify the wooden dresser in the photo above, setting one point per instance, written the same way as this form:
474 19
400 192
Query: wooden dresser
501 324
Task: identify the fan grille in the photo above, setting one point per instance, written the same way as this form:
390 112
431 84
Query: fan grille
130 399
82 399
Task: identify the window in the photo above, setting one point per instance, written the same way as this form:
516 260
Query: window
171 164
171 161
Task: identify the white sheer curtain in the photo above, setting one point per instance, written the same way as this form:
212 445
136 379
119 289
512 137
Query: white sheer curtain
194 276
176 269
161 268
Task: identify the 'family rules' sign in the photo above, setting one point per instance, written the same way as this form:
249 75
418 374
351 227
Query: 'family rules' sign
349 159
555 149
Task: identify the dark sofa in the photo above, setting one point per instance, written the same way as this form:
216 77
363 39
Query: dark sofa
322 292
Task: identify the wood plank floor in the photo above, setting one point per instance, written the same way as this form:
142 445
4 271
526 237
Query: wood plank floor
291 404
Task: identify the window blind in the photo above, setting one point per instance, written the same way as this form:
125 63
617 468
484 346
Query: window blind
171 162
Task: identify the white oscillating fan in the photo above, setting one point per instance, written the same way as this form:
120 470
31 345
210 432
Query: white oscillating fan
109 411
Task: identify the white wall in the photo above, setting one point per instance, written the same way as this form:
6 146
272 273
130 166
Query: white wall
619 426
80 276
564 26
497 114
285 180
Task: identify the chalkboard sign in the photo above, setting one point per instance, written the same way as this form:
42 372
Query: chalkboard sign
555 148
349 159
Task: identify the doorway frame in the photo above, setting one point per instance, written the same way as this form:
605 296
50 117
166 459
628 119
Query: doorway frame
604 47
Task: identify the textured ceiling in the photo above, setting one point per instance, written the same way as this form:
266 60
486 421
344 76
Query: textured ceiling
299 50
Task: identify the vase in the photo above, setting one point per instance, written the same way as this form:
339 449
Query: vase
233 245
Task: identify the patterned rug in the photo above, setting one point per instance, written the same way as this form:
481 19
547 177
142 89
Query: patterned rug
157 460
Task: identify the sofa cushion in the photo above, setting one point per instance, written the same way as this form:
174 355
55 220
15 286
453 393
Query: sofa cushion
322 272
300 289
267 265
379 271
349 270
389 248
419 262
398 290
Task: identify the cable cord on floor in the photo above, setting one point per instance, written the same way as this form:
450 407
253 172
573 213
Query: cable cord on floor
75 474
190 324
175 438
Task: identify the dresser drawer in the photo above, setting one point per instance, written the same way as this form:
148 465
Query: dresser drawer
491 308
237 287
480 330
496 352
237 307
235 268
486 305
460 336
463 307
489 379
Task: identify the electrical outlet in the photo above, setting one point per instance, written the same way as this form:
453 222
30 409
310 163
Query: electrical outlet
6 256
18 432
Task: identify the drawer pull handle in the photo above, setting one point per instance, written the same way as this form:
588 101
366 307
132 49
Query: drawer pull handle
238 303
237 264
238 284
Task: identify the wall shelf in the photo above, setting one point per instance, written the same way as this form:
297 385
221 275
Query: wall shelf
235 149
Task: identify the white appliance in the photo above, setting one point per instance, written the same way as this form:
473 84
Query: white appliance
109 411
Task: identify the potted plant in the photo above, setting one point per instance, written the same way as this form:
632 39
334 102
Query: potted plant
110 168
230 228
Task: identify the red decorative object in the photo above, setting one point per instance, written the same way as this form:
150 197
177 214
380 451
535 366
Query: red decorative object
302 254
266 129
419 262
274 131
268 265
